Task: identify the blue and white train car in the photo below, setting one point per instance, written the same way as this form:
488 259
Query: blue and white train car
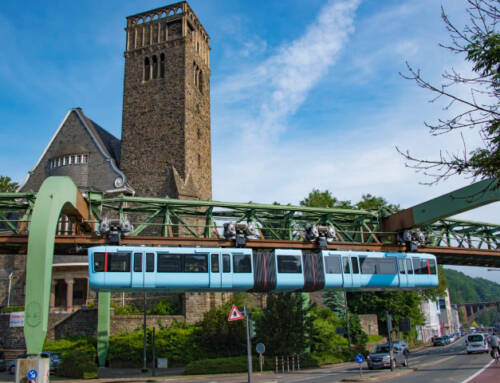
181 269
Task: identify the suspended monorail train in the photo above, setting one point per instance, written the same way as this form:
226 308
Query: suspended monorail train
200 269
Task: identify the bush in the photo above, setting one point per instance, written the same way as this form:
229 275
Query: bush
164 307
226 365
177 343
78 356
79 362
11 309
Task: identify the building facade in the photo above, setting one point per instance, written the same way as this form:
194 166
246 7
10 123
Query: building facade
164 149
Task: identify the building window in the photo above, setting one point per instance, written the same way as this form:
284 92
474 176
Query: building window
73 159
162 65
155 67
69 159
84 159
199 133
76 159
64 161
147 69
199 160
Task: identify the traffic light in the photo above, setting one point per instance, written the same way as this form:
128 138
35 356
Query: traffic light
149 337
252 329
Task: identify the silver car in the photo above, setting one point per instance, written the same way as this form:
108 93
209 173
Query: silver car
380 357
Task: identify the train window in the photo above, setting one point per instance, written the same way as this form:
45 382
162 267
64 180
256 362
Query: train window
119 262
215 263
355 266
333 264
150 262
169 263
408 266
195 263
226 263
401 264
137 262
99 261
242 263
420 266
345 263
289 264
432 264
386 266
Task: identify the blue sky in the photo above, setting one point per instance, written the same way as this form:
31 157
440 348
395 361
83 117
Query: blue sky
304 94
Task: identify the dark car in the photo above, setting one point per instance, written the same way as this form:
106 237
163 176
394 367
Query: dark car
3 363
440 341
55 360
380 357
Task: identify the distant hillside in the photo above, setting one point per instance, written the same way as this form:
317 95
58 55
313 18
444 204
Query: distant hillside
467 289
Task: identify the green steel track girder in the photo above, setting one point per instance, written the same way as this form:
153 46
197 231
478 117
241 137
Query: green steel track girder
458 201
57 195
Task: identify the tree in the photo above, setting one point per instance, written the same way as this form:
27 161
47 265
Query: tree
318 198
371 202
335 301
478 108
7 185
284 324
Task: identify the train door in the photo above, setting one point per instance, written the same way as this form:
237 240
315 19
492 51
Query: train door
215 270
149 270
346 271
355 272
227 275
410 272
403 276
137 270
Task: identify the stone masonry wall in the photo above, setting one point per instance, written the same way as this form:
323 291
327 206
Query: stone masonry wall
17 263
369 323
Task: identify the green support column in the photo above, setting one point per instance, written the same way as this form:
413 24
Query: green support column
103 317
56 195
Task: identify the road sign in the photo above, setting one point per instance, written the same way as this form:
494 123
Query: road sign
360 358
234 314
260 348
32 375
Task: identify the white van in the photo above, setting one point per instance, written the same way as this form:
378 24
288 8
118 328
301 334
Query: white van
476 343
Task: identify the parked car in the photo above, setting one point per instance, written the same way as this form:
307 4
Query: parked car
380 357
3 364
55 360
403 345
439 341
476 343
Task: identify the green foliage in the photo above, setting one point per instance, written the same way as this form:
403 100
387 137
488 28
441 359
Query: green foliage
217 336
466 289
326 345
177 343
374 339
164 307
489 318
400 304
335 301
11 309
283 325
371 202
358 336
78 356
7 185
318 198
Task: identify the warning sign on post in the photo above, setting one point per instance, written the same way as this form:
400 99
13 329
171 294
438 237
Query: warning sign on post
234 314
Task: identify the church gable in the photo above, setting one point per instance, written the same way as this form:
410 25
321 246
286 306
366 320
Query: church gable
82 150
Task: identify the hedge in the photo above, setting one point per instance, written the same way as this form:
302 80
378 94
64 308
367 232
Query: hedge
239 364
78 356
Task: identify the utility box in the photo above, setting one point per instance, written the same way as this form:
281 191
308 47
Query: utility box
162 362
33 369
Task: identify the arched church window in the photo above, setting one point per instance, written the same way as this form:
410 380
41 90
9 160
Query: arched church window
162 65
147 69
200 81
155 67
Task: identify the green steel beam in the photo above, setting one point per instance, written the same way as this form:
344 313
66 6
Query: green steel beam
458 201
103 321
57 195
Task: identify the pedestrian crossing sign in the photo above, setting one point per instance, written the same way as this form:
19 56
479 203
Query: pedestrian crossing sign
234 314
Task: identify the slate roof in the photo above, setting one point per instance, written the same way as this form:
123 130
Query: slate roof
107 140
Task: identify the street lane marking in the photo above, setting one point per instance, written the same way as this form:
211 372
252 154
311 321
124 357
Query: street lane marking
477 373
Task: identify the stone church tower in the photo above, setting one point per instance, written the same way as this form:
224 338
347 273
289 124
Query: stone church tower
165 147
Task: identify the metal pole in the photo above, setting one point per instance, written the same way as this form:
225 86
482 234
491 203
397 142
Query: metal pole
10 285
154 354
144 365
249 344
347 320
389 338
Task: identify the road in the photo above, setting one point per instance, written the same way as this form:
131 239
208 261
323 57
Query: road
438 364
